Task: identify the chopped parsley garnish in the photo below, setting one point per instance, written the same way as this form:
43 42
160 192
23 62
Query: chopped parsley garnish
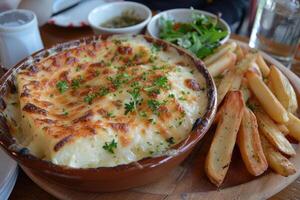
155 48
154 106
65 112
182 99
77 69
110 146
62 86
97 73
154 67
89 98
152 121
171 96
161 82
143 114
75 83
154 92
129 107
179 121
119 79
135 100
170 140
103 91
110 114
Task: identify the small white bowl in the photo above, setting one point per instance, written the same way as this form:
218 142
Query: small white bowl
108 11
182 15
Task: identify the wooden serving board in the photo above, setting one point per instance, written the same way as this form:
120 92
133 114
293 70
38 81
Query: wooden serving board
189 182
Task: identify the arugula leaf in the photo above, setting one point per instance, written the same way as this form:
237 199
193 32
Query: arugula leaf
201 36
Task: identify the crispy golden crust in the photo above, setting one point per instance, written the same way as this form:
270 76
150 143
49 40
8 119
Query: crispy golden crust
116 85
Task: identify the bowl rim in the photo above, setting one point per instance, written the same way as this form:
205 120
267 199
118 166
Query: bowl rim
199 129
159 15
128 28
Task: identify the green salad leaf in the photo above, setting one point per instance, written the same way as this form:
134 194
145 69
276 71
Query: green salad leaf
201 36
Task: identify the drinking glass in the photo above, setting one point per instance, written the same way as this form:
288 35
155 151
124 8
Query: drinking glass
276 29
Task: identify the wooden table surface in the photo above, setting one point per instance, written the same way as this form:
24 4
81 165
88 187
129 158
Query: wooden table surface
25 189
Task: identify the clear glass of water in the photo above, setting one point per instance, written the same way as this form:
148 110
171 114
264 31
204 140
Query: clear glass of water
276 29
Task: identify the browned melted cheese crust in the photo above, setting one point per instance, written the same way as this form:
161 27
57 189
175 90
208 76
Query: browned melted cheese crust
113 102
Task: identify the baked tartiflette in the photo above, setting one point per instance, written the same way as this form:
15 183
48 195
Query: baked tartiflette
111 102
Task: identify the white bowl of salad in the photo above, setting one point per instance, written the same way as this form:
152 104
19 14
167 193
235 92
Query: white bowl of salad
198 31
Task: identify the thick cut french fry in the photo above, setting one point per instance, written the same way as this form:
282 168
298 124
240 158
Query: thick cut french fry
225 85
228 47
262 66
294 127
270 86
250 145
266 98
254 68
220 152
283 90
219 66
239 53
272 133
276 160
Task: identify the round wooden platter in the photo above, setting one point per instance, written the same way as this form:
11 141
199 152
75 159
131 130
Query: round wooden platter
189 182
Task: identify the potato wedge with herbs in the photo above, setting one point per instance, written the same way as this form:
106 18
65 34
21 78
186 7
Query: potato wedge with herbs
220 152
245 90
276 160
219 66
283 90
283 129
294 127
250 145
225 85
270 130
266 98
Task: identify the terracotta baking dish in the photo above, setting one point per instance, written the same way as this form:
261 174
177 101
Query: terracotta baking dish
104 179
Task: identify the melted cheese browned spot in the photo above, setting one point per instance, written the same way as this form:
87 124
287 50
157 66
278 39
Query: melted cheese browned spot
109 103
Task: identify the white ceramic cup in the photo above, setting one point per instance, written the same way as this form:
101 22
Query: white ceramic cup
19 36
